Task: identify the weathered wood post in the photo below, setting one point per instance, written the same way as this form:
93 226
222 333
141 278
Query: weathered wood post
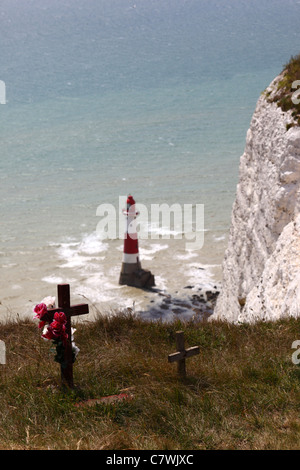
2 360
2 352
182 354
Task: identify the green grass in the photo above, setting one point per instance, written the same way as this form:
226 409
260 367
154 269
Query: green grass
241 392
285 92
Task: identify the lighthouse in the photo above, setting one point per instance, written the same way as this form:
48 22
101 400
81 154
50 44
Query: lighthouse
132 273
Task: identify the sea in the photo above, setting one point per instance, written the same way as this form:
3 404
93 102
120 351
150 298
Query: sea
105 98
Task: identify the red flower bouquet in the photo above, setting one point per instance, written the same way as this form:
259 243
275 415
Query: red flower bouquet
56 330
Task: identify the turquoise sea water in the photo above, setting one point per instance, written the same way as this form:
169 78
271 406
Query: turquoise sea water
110 97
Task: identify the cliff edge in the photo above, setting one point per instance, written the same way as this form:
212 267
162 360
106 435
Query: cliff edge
261 267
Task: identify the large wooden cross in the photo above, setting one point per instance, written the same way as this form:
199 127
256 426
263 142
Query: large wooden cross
64 305
182 353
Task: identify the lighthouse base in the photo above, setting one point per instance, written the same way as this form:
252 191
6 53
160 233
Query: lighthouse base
135 276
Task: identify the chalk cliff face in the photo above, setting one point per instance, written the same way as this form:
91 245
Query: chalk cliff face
261 268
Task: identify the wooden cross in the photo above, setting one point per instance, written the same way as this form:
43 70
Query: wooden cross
64 305
182 353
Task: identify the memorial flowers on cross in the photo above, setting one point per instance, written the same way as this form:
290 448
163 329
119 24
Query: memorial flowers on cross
56 330
56 324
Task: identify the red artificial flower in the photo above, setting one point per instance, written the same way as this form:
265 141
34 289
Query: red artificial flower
40 310
60 317
49 333
57 329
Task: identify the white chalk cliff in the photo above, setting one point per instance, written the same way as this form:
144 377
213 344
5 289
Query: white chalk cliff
261 267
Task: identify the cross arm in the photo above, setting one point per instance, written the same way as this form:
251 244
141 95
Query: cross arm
80 309
178 356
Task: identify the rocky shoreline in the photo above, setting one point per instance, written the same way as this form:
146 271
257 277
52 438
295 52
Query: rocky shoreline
197 305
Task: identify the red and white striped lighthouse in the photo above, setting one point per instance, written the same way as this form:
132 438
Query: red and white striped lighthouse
132 273
131 260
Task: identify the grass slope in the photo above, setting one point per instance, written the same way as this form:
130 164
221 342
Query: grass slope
241 392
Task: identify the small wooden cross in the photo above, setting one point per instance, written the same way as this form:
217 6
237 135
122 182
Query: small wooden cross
64 305
182 353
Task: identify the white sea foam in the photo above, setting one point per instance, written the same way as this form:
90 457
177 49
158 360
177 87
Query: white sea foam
52 279
220 238
163 232
92 244
75 254
99 290
160 283
188 255
95 294
201 275
154 248
72 258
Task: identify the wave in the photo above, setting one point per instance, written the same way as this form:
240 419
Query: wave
78 254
